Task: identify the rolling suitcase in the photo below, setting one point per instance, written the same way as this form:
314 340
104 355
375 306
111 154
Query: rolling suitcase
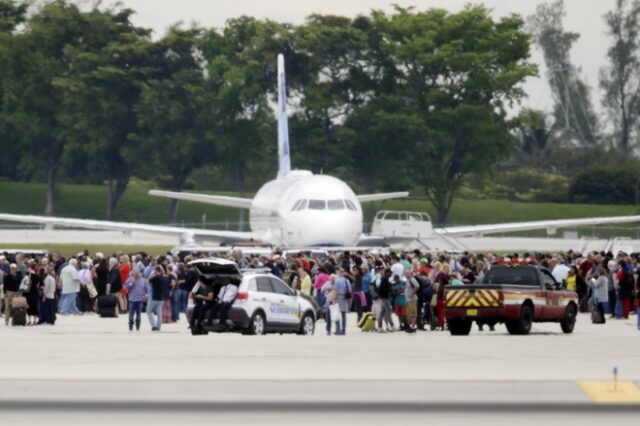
369 324
597 315
19 317
363 320
108 306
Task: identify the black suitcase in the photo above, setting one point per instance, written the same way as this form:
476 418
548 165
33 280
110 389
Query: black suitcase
597 316
19 317
108 306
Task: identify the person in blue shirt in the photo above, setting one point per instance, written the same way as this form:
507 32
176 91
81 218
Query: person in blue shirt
344 291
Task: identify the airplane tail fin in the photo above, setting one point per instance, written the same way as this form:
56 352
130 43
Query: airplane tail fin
284 159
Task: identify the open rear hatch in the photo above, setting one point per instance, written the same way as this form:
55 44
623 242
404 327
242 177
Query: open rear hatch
215 267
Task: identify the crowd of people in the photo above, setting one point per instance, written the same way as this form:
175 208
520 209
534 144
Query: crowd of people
403 288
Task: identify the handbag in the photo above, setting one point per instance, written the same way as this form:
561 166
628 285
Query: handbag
19 303
25 284
347 293
335 313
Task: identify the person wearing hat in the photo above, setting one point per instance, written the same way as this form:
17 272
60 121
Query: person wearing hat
11 283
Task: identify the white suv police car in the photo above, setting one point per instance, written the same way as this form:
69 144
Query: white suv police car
264 303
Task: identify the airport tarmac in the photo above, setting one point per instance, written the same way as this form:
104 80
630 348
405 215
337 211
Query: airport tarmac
88 366
15 237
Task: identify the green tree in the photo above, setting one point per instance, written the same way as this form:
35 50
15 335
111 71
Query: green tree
328 80
241 67
176 112
39 58
102 92
620 80
380 137
459 73
12 14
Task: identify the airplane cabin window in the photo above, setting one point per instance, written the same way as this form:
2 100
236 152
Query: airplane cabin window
335 205
317 205
350 205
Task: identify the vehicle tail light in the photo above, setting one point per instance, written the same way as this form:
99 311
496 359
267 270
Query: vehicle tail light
243 295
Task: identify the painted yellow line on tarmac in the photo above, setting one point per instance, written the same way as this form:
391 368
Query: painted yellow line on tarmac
605 392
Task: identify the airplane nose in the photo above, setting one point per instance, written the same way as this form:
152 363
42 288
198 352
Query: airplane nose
340 228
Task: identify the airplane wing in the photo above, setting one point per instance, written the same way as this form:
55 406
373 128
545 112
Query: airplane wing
549 225
184 233
383 196
219 200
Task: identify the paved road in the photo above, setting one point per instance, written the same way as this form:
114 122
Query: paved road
92 368
88 347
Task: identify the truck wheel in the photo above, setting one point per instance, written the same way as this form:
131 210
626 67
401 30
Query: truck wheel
512 327
459 327
569 321
523 324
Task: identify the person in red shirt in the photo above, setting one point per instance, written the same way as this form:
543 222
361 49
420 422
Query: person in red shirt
423 268
586 266
125 271
624 287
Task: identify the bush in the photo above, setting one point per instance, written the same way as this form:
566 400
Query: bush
605 185
524 185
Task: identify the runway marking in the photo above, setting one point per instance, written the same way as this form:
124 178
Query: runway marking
603 392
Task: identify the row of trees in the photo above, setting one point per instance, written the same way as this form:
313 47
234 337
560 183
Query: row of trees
385 101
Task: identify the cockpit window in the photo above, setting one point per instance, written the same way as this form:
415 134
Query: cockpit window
350 205
301 205
317 205
335 205
296 205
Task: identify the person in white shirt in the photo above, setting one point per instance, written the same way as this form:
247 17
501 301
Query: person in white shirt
560 271
49 291
85 301
226 296
70 283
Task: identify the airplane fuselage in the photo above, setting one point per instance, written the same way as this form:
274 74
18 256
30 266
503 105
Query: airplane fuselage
304 210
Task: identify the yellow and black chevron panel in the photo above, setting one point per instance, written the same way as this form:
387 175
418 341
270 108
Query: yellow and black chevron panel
475 299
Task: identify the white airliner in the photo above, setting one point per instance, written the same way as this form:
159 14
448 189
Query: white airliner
298 209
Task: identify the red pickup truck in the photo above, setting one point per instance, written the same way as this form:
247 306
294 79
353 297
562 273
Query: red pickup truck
516 296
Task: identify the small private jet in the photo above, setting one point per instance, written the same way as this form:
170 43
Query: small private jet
298 209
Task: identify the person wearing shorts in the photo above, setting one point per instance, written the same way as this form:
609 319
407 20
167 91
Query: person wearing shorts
400 301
